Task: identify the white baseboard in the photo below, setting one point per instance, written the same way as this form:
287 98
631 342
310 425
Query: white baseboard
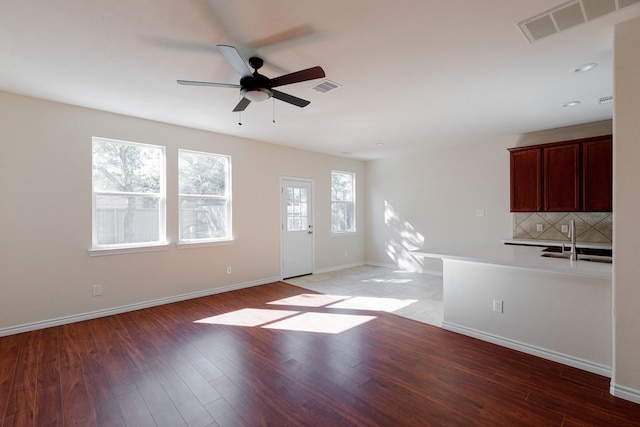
374 264
338 267
626 393
130 307
544 353
395 267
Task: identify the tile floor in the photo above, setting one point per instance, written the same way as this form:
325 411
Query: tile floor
416 296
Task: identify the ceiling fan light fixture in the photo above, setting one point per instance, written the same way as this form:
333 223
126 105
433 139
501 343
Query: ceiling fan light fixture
256 94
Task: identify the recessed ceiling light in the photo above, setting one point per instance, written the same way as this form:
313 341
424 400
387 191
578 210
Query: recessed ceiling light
380 144
571 104
585 67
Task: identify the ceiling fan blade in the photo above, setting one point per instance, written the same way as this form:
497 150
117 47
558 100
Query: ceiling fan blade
290 98
282 37
192 83
242 105
235 59
298 76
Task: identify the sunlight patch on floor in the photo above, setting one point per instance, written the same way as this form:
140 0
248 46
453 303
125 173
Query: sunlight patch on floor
327 323
310 300
399 281
388 305
248 317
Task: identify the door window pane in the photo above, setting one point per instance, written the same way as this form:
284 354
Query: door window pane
297 209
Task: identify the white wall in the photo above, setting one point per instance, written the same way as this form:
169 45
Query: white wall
561 317
626 207
45 227
430 200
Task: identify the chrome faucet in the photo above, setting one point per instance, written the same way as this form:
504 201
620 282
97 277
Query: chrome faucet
572 236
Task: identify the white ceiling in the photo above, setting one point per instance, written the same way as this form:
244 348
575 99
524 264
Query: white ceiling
415 74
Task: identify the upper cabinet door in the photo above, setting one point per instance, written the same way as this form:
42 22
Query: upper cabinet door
561 178
526 168
597 172
569 176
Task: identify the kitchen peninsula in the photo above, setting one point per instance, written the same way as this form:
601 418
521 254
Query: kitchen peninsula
512 296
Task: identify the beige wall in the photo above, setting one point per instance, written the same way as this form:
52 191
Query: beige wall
626 205
45 228
430 200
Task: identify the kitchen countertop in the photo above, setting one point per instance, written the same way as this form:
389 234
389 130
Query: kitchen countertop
527 257
532 242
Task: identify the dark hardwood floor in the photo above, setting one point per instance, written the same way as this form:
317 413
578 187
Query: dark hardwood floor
190 364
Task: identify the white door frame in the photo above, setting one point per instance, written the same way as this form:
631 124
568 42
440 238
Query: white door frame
312 218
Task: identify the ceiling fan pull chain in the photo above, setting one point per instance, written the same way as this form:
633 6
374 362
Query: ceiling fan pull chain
240 118
274 110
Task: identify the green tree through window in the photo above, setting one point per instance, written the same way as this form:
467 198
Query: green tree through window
343 202
128 193
204 182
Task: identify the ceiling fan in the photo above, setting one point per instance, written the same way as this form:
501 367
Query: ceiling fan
256 87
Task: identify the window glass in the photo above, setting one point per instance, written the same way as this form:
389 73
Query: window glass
297 212
128 193
343 202
204 184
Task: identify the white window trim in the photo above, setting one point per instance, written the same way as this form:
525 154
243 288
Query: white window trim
195 243
115 250
161 244
355 224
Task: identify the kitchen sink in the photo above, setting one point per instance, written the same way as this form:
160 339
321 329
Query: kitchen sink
581 257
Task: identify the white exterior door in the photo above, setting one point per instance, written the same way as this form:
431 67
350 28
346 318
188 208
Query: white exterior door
297 227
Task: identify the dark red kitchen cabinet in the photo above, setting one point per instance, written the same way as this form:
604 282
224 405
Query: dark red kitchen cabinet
597 172
526 191
566 176
561 178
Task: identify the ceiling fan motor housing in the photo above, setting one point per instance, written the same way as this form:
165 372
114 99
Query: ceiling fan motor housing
256 87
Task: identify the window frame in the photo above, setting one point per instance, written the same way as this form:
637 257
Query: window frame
228 238
115 248
354 228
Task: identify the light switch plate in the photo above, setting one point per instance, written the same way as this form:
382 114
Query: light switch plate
497 305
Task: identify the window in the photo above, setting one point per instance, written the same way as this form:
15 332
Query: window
204 184
343 201
128 194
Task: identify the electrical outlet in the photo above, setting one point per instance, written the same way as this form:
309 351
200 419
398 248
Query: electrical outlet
479 212
96 290
498 305
538 227
565 228
229 270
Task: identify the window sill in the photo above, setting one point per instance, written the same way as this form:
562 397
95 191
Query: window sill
127 250
195 244
343 233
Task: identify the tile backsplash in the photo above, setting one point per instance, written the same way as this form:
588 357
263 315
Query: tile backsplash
591 227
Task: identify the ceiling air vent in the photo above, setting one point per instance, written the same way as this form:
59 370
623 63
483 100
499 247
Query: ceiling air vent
605 99
569 15
325 86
